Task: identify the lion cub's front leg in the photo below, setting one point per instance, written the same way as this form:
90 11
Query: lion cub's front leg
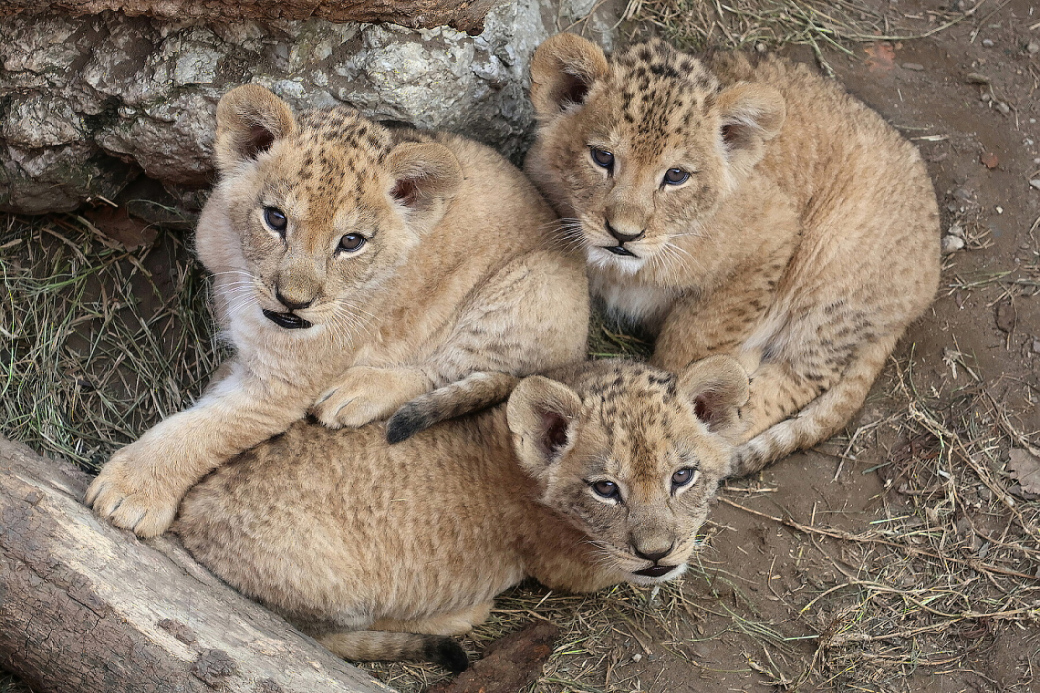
366 393
142 485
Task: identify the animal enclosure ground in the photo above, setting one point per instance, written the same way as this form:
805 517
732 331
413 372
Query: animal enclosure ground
903 555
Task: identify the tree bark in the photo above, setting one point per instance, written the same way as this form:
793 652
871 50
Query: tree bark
464 15
86 608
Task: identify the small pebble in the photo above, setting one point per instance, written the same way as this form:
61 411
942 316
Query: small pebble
1036 346
951 244
956 230
1035 183
760 47
1000 210
917 67
987 43
637 657
1033 47
986 97
1003 107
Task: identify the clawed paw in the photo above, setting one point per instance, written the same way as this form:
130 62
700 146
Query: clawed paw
124 495
364 395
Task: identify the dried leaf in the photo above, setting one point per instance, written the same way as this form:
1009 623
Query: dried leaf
1026 468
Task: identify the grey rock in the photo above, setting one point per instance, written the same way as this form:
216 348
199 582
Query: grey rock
951 244
87 104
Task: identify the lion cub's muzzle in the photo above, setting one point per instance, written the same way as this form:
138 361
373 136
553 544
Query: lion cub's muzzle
289 321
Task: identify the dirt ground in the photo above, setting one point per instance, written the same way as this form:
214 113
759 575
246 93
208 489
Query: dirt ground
803 610
904 555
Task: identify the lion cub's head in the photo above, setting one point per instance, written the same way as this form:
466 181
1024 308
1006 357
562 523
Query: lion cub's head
641 147
324 206
631 454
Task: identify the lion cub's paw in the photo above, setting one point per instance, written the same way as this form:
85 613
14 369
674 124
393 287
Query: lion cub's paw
126 494
367 394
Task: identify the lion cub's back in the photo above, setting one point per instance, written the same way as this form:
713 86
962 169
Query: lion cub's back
500 202
863 188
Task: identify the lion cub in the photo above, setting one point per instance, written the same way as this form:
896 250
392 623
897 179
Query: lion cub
354 268
598 474
740 206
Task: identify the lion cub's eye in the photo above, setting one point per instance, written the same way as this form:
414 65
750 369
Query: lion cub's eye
351 242
603 158
276 219
606 489
683 477
676 176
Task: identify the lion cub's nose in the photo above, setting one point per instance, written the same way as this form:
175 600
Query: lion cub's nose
291 303
624 237
651 555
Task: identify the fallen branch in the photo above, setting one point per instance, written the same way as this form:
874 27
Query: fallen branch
464 15
85 607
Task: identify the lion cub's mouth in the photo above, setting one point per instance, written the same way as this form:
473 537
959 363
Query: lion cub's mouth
620 250
655 571
289 321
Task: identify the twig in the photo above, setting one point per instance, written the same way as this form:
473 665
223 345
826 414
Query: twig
846 536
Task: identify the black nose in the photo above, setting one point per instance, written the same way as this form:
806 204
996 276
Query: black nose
655 556
289 303
623 237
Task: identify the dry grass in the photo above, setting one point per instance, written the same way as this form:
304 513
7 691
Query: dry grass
99 342
9 684
768 24
953 558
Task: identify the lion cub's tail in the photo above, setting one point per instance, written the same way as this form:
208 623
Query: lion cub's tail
474 392
384 646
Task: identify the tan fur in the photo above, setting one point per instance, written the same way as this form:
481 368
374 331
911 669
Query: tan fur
341 532
455 276
803 242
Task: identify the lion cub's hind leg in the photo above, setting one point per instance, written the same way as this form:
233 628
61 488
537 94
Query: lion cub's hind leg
777 393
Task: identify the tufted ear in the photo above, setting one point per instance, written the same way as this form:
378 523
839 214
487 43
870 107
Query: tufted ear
542 415
563 70
423 174
717 386
749 116
249 120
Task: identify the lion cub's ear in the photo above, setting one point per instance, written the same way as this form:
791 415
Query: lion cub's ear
423 174
749 116
563 70
717 386
249 120
542 415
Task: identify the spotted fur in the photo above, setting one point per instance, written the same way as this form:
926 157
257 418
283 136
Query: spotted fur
802 240
376 548
448 272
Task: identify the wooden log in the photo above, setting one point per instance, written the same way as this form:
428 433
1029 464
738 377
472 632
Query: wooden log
464 15
87 608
